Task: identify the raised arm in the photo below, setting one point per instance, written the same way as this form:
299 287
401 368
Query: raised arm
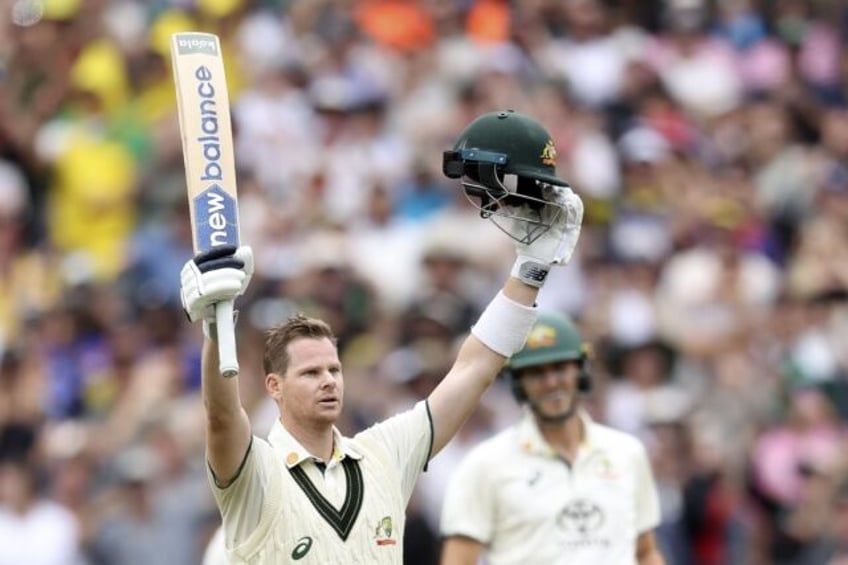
205 280
477 365
227 422
503 327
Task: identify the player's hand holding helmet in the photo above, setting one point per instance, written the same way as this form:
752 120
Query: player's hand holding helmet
562 214
211 277
507 163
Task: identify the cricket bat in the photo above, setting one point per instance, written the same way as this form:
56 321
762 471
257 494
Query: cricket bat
207 140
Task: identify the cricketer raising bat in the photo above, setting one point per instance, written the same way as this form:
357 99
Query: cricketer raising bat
207 140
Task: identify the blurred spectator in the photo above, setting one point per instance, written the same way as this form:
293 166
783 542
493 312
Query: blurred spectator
782 168
830 545
384 250
786 458
396 23
713 512
443 306
698 70
589 55
805 525
764 62
160 508
671 457
806 28
30 285
645 392
422 195
33 528
710 294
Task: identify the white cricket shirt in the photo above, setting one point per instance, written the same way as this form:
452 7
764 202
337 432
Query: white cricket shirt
282 508
513 494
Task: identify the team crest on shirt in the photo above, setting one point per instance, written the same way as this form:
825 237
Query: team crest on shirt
549 154
383 532
604 469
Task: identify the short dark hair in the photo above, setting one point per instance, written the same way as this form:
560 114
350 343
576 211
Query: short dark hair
276 356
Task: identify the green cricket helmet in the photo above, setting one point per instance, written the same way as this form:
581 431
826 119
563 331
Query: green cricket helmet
514 143
505 160
554 338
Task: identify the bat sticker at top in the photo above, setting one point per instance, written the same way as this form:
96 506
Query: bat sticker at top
188 43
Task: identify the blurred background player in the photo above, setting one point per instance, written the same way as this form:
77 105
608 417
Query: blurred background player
556 487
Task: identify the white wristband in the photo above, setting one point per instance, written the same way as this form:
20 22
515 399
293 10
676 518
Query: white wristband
530 271
504 325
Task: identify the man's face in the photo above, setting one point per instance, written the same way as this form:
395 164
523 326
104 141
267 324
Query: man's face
312 389
551 389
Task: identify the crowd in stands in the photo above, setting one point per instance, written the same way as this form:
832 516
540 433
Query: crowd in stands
708 139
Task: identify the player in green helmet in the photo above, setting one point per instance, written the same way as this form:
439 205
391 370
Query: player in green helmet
555 342
557 487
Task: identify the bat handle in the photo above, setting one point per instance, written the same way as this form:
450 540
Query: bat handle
226 339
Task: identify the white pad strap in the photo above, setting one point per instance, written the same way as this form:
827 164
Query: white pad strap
504 325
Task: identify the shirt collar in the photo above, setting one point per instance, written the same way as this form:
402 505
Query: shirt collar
293 453
532 441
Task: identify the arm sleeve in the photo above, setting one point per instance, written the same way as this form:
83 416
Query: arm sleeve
409 439
469 506
647 498
243 502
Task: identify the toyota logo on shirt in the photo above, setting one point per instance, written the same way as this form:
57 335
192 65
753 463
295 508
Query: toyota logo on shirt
580 516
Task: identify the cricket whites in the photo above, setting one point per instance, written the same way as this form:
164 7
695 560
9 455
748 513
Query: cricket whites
207 141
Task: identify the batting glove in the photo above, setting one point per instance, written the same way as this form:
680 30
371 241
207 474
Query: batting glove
220 274
564 214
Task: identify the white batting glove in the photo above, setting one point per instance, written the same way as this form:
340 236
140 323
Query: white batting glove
564 214
221 274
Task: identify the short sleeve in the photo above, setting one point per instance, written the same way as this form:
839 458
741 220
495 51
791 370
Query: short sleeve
647 498
409 438
469 506
242 501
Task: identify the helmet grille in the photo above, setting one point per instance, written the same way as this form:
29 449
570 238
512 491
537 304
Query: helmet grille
515 204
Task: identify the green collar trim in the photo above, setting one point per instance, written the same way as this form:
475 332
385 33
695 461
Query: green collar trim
341 520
